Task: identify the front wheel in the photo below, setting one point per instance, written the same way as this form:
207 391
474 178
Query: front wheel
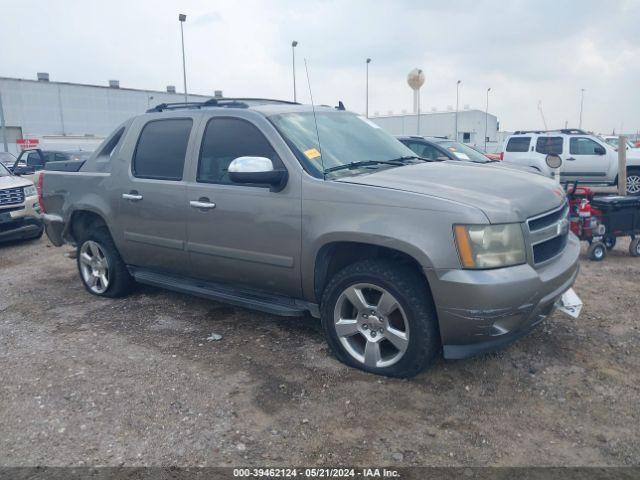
634 247
597 251
378 316
102 271
633 181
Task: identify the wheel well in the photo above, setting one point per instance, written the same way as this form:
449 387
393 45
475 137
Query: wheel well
335 256
82 222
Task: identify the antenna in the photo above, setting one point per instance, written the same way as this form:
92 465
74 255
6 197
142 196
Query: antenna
544 122
315 120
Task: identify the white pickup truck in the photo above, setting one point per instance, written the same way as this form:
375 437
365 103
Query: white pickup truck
585 157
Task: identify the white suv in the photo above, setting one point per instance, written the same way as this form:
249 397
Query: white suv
585 157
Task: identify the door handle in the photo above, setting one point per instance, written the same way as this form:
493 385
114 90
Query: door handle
205 205
134 197
571 159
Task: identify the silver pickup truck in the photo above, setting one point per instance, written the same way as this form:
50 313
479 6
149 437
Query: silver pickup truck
288 209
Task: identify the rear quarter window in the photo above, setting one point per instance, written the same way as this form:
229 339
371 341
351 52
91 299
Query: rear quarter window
518 144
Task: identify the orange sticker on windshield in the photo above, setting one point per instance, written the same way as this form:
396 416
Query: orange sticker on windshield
312 153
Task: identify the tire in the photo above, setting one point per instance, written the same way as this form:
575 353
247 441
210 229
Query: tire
609 241
410 313
98 245
634 247
597 251
633 181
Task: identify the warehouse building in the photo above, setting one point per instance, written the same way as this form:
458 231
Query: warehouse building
70 116
471 126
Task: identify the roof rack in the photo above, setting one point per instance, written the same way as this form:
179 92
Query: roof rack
219 102
566 131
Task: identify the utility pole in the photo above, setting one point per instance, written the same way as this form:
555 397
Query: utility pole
294 44
486 117
182 18
3 126
367 88
581 105
457 104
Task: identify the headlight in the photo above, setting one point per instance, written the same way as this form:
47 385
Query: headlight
490 246
30 191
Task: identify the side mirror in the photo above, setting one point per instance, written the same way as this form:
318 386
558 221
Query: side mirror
23 170
257 171
553 161
599 150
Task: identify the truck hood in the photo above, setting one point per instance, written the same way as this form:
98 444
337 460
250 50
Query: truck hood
11 181
504 195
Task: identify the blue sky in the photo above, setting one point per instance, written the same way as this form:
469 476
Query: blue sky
526 51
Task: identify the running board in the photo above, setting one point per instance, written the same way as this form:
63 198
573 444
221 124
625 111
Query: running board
242 297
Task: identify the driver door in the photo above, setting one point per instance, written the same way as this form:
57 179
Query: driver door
586 161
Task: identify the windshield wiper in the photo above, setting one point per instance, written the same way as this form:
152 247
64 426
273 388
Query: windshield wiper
364 163
397 162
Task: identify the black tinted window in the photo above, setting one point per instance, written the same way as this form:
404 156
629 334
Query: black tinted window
226 139
549 145
518 144
583 146
161 149
34 160
425 151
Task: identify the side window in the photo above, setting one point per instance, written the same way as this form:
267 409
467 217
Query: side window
161 149
582 146
110 146
34 160
425 151
60 157
549 145
518 144
226 139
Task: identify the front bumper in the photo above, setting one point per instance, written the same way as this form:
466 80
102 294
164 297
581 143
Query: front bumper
24 221
481 310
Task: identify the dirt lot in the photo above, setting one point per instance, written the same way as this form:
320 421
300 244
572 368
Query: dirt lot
87 381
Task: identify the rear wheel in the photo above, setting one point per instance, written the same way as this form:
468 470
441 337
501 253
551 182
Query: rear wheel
634 247
597 251
378 316
102 271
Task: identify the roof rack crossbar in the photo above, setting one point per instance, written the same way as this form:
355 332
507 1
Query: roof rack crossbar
217 102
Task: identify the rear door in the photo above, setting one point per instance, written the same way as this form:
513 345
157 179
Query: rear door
152 195
552 145
248 235
585 161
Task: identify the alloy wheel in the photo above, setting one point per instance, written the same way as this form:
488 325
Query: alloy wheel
371 325
633 184
94 267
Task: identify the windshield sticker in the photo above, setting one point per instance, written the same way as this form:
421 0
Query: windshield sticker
368 122
312 153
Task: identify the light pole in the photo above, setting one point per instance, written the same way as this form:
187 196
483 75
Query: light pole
367 88
581 105
294 44
182 18
486 116
3 126
457 104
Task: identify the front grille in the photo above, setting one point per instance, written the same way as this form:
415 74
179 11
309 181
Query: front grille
11 196
548 234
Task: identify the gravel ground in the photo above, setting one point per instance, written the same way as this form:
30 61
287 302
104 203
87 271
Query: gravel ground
139 381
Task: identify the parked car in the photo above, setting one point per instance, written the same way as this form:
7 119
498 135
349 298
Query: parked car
32 161
613 141
19 208
440 148
279 207
7 159
585 157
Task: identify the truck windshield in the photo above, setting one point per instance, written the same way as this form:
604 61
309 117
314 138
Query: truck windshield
345 139
3 171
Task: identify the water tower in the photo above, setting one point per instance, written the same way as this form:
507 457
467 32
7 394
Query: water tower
415 79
